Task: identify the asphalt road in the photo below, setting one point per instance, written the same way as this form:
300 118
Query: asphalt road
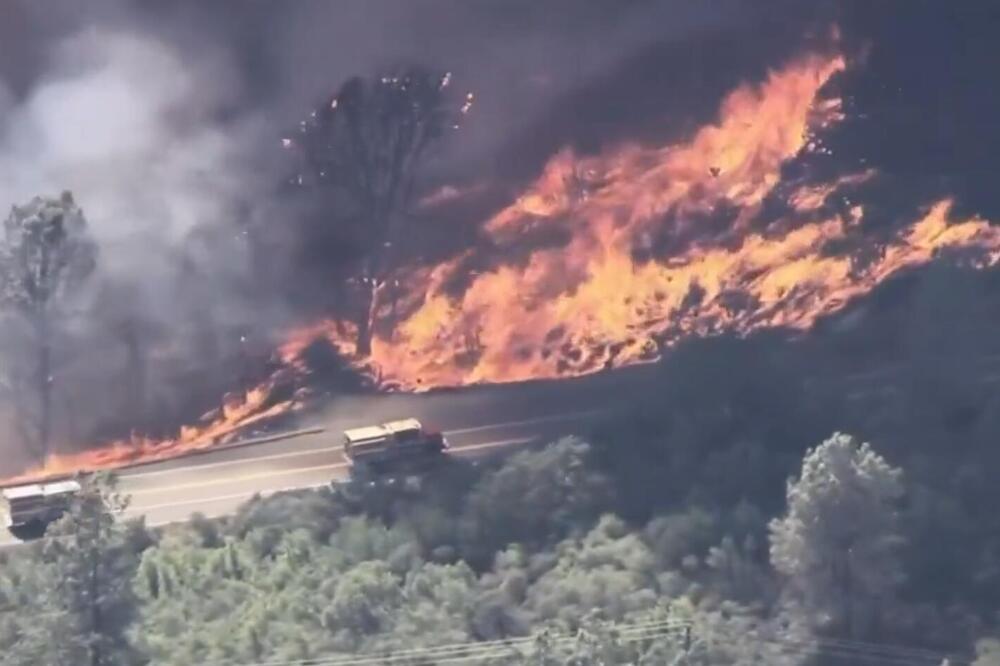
477 420
215 484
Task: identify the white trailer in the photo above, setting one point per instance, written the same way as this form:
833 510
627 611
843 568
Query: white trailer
37 503
390 442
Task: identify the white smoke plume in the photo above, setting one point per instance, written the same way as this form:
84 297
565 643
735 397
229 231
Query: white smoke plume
159 117
140 136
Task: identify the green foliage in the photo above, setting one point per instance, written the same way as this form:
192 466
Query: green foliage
534 497
837 543
525 552
75 602
610 570
45 255
258 593
314 511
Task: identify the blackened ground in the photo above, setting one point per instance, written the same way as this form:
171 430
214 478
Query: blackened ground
922 108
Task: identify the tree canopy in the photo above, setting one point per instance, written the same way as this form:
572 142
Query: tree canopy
837 544
46 253
365 147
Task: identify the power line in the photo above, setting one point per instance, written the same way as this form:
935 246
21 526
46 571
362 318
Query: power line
477 651
473 649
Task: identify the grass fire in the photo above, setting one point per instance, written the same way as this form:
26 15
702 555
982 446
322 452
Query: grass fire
731 228
646 262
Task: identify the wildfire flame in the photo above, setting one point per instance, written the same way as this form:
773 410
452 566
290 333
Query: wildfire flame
656 244
607 298
221 426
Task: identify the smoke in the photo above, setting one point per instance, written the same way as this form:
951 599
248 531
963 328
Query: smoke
518 57
123 123
164 121
140 132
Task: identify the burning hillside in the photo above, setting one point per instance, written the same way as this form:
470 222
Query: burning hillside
271 399
605 260
654 244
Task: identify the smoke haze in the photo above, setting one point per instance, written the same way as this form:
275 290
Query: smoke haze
161 119
165 120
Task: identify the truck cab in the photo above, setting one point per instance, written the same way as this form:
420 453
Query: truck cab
395 441
34 506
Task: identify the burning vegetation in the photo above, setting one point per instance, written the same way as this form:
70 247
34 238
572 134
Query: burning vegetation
659 243
606 260
239 412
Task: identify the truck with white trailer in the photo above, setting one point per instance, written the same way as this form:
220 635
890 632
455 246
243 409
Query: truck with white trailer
34 506
381 447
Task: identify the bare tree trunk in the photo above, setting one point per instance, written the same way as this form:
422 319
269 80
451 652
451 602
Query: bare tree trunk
21 391
95 606
373 284
366 323
43 380
136 365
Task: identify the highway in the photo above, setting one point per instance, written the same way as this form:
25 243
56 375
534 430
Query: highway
215 484
476 420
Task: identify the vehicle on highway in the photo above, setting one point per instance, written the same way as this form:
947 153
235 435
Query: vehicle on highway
381 446
33 507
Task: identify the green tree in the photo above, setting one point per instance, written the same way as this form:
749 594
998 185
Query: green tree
27 612
93 561
45 254
365 600
68 600
437 603
533 498
610 570
837 543
367 145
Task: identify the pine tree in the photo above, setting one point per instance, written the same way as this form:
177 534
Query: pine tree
836 545
91 566
368 143
45 253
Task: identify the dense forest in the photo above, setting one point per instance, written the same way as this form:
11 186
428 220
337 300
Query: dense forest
726 518
807 497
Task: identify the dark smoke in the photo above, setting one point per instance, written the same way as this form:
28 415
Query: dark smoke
142 132
165 120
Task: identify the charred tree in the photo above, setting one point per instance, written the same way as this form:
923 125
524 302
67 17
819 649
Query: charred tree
365 147
118 306
45 254
135 362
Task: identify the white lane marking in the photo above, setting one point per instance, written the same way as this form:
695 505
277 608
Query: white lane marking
490 445
541 419
335 449
239 479
139 509
238 461
221 498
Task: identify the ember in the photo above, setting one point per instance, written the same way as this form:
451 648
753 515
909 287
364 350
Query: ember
612 307
658 243
237 414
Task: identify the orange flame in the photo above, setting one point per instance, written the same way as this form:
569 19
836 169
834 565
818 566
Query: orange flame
220 426
594 302
610 296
